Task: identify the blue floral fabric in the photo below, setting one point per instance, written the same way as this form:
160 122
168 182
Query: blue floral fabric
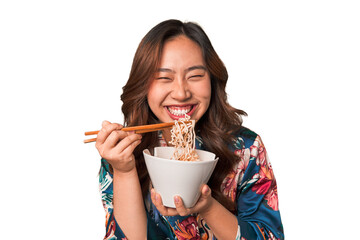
251 185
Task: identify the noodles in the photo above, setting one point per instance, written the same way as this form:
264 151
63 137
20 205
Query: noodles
183 139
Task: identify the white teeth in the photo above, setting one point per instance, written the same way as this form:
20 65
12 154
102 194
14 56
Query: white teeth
179 112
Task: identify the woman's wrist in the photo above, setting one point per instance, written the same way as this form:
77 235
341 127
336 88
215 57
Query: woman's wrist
122 174
208 209
223 223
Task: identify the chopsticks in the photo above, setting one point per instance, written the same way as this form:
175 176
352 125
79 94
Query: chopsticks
136 129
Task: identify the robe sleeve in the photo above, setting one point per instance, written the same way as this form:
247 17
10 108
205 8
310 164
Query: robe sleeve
155 228
257 200
113 231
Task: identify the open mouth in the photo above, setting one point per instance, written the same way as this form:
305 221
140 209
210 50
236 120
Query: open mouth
180 111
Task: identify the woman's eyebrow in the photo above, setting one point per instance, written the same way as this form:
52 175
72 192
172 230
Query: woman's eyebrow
165 70
186 70
196 67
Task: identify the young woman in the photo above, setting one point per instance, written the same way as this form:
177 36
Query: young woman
175 72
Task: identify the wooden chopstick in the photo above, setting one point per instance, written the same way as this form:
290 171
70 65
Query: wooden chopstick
136 129
90 140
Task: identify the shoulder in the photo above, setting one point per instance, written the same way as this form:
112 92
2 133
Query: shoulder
245 138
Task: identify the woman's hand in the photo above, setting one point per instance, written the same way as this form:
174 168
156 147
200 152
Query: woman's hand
117 146
203 204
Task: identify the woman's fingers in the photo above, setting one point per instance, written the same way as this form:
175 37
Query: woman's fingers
180 207
106 130
157 201
128 143
104 123
114 138
202 204
205 191
205 201
117 146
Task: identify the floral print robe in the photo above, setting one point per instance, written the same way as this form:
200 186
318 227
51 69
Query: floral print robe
251 185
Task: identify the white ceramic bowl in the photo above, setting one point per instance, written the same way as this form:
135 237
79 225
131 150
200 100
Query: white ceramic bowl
173 177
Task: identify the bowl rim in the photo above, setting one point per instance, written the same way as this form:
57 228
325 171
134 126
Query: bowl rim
147 152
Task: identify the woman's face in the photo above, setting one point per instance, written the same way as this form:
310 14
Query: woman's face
181 84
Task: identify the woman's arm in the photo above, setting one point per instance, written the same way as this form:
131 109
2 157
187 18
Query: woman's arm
222 223
129 210
117 148
257 199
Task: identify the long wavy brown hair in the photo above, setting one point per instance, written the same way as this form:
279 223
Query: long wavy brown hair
217 125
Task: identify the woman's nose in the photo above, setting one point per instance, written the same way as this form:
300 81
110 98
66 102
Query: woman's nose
180 90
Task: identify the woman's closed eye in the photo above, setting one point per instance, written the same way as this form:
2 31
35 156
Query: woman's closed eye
196 77
164 78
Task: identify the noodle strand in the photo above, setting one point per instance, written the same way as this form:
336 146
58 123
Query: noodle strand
183 139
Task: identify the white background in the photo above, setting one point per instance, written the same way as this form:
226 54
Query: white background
293 66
